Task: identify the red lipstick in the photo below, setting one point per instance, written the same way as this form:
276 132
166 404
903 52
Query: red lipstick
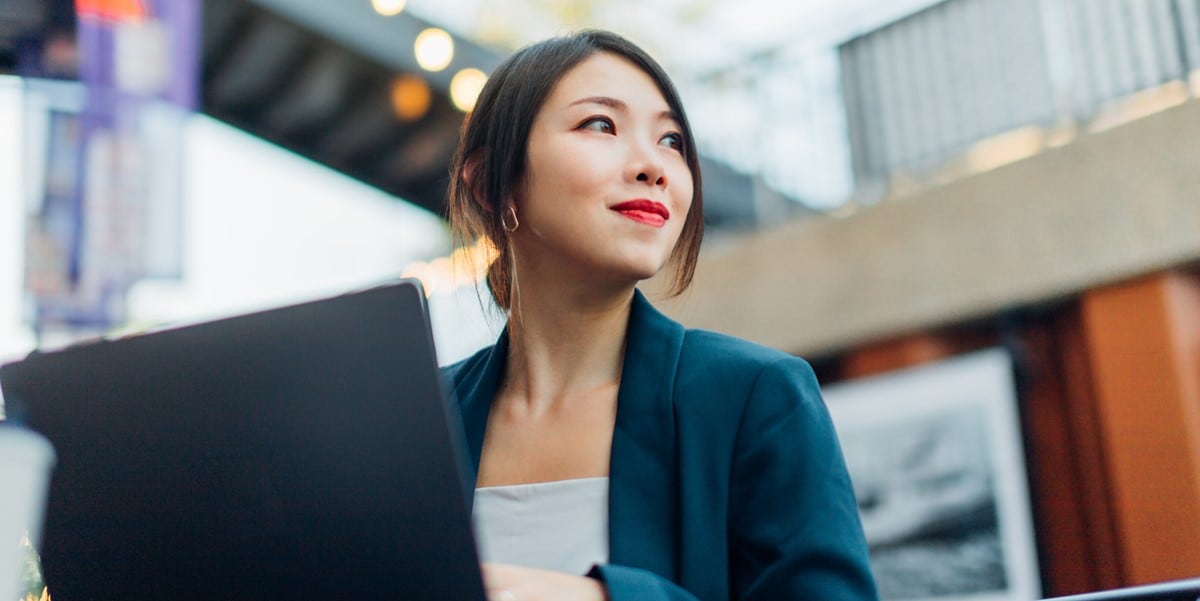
644 211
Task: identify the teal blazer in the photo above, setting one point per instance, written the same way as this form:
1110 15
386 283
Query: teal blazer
726 480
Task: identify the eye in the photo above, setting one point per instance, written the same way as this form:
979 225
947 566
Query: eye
672 140
602 125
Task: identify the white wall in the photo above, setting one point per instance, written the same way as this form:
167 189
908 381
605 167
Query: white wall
263 226
15 337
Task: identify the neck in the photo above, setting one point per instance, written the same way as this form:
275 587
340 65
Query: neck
564 344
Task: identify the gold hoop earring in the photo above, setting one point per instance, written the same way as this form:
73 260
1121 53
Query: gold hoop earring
511 211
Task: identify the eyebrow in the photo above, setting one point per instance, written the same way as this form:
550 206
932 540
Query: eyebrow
620 105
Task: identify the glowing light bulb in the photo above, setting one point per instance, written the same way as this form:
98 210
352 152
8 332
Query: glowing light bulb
388 8
465 87
411 97
434 49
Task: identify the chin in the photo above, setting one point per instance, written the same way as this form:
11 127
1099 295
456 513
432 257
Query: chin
644 270
628 266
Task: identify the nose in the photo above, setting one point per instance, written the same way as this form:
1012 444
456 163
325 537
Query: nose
647 167
659 179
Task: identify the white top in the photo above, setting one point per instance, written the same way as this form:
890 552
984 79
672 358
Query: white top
560 525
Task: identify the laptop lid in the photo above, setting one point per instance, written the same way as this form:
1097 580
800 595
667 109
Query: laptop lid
302 452
1175 590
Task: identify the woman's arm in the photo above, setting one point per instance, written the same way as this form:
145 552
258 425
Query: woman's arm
793 520
623 583
793 524
517 583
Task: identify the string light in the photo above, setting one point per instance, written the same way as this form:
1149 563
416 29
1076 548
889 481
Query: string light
411 97
388 8
434 49
465 87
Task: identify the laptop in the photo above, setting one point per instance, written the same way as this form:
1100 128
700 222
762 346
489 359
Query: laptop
308 451
1175 590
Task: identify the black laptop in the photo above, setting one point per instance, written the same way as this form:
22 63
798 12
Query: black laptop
302 452
1175 590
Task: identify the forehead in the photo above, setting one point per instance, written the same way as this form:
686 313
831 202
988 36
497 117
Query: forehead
607 75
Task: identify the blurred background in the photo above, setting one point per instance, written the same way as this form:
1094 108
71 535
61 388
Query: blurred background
888 184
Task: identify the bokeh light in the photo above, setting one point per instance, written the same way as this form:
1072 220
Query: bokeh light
465 87
434 49
388 8
411 97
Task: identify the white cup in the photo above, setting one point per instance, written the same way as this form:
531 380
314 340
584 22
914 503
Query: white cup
25 462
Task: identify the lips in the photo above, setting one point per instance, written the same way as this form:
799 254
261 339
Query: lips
644 211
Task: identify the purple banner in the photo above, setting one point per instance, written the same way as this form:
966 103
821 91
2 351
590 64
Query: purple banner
120 220
147 49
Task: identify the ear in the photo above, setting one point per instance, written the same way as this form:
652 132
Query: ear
472 178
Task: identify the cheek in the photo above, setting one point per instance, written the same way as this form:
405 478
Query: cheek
682 196
557 174
683 193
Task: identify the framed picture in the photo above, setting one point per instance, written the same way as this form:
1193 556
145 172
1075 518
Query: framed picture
936 457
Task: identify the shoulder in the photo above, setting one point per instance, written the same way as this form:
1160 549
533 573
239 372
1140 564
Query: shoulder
719 356
735 385
472 366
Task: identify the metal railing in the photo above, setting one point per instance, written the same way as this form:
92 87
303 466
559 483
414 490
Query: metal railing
925 88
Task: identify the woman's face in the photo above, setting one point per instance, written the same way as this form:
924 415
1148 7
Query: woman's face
606 189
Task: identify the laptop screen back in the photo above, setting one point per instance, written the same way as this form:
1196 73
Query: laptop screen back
305 451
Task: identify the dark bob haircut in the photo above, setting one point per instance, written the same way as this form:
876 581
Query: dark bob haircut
495 140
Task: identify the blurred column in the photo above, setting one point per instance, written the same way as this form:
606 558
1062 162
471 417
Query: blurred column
1068 480
1143 343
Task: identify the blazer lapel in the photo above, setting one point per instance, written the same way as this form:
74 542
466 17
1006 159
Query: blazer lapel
475 401
643 471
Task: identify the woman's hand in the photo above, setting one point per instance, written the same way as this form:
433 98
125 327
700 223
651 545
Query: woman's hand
515 583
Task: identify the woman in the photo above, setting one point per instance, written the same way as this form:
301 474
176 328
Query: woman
607 440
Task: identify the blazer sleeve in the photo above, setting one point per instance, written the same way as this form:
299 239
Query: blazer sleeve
793 520
794 530
623 583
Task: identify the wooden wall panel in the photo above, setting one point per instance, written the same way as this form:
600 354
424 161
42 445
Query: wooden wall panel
1143 343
